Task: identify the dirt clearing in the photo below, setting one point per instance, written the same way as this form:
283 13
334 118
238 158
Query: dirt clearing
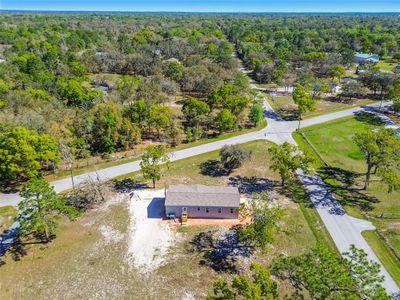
149 237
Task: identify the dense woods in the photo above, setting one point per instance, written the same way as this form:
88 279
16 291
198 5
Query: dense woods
97 84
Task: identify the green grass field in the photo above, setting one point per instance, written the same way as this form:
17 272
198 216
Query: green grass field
345 173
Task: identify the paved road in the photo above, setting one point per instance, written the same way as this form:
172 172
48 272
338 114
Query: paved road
345 230
277 131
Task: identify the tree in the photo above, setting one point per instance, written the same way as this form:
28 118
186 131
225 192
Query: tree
353 88
259 286
111 130
174 70
233 156
286 159
338 72
381 150
152 159
75 94
24 152
160 117
195 111
264 219
139 112
320 87
229 97
173 133
394 94
256 113
301 96
41 208
366 274
225 120
325 275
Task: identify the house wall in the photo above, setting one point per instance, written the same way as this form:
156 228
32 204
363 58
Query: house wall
201 213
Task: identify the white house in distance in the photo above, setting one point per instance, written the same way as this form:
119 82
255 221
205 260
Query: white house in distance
203 202
365 57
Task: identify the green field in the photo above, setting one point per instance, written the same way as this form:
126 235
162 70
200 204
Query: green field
345 173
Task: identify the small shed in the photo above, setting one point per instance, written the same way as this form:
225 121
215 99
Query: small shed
201 201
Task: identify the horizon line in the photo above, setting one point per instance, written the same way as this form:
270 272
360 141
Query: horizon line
194 11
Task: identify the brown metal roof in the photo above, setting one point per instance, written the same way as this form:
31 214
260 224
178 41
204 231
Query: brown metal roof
202 195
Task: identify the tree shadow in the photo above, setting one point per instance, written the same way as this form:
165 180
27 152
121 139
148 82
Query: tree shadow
213 168
340 99
342 185
17 248
295 190
368 118
288 114
345 177
128 185
251 185
221 251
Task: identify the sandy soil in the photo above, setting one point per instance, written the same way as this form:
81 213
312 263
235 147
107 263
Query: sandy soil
149 237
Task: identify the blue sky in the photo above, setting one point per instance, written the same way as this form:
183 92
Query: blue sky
208 5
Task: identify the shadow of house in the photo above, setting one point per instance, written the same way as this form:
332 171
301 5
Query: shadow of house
155 209
221 251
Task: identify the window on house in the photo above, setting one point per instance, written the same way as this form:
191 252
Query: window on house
198 208
231 210
219 210
207 211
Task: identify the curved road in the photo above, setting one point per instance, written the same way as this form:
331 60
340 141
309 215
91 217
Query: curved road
344 229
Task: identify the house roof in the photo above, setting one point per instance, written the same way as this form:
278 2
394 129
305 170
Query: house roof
367 56
202 195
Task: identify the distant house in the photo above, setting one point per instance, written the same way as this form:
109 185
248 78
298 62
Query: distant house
201 201
365 57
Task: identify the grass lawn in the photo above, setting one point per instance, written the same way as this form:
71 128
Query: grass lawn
380 249
387 66
286 107
345 173
7 216
81 263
